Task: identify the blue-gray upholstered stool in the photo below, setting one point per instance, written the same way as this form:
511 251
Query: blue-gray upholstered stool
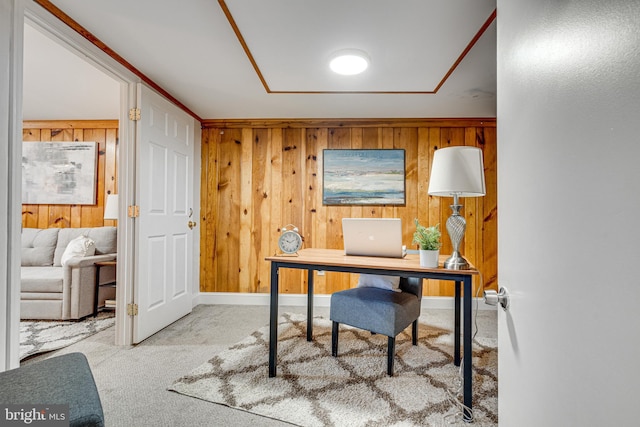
380 311
60 380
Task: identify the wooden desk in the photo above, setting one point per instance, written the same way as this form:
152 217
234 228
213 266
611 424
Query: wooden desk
335 260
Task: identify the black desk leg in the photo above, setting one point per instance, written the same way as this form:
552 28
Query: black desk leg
456 332
273 321
467 371
309 305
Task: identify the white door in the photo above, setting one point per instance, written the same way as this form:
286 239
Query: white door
569 198
164 249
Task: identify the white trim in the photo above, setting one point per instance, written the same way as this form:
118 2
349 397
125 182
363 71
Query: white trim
300 300
11 41
126 226
197 173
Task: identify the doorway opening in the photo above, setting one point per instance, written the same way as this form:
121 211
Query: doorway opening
67 98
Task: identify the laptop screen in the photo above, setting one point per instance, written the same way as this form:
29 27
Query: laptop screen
373 237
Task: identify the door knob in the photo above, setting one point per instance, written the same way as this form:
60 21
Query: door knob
191 224
494 298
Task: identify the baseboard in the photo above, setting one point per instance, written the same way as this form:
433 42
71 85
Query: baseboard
300 300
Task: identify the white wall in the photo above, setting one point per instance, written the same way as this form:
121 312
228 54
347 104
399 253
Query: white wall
569 197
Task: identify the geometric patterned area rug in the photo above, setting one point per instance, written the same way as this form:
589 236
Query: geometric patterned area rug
40 336
312 388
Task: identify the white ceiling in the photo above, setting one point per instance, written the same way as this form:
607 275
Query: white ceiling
268 59
60 85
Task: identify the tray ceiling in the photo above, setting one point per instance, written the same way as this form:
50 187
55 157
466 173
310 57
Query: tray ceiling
269 59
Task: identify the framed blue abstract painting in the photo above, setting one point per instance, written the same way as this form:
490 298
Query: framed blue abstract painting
363 177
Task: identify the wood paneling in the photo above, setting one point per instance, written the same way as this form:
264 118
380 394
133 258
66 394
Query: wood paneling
260 175
105 133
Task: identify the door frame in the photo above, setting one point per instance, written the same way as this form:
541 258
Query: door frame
65 36
10 267
11 47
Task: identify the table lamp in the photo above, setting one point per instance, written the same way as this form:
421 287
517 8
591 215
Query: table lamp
111 207
457 172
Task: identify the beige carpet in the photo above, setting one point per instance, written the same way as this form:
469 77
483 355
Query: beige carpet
313 388
39 336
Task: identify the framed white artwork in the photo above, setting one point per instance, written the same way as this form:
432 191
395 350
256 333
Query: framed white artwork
59 173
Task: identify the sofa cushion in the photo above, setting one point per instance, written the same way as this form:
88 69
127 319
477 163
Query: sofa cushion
39 296
38 246
104 237
41 279
40 309
80 246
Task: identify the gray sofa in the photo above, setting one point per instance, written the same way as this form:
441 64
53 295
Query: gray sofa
52 291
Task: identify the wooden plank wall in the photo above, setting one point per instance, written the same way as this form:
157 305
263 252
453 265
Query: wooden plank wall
105 133
258 176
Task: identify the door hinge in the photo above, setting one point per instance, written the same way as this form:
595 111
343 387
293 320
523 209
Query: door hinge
134 211
134 114
132 309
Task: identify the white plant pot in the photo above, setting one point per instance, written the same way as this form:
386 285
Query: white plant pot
429 259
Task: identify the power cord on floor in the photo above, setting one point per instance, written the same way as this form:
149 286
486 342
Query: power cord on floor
455 397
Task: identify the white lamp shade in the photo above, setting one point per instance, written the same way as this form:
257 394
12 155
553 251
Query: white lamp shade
111 207
457 171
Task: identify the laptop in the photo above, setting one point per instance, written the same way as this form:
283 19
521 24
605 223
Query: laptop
380 237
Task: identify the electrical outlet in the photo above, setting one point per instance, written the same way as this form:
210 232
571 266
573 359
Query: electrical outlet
320 272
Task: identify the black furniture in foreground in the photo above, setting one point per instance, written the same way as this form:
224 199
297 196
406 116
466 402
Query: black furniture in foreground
60 380
380 311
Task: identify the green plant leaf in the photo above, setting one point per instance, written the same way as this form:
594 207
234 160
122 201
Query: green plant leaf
427 238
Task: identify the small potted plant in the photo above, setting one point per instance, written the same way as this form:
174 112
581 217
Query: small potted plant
428 241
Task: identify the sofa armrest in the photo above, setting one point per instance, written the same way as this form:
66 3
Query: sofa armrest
79 285
88 261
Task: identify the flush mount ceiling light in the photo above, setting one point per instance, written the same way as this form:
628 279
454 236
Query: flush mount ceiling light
349 62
